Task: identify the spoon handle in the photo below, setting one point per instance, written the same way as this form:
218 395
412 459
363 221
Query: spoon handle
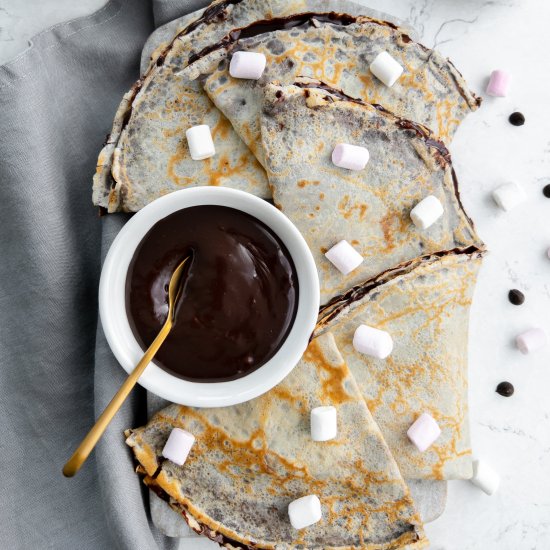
89 442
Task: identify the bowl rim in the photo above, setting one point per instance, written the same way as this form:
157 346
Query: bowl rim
119 335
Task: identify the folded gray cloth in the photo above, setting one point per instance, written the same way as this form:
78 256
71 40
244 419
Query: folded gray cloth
57 101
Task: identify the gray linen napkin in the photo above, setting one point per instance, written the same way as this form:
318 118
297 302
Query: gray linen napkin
57 101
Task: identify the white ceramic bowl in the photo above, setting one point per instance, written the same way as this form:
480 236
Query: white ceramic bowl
112 306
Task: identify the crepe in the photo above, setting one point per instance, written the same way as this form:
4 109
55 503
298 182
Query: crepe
337 49
370 208
424 305
146 155
251 460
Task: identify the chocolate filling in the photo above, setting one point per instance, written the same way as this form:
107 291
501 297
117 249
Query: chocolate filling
206 531
216 11
202 529
276 24
334 307
421 131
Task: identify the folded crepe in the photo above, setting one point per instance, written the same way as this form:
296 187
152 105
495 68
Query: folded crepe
424 305
146 155
337 49
370 208
251 460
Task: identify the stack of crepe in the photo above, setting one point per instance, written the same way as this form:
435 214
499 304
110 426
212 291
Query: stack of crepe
274 138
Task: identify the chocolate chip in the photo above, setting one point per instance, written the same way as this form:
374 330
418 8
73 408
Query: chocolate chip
546 191
517 119
516 297
505 389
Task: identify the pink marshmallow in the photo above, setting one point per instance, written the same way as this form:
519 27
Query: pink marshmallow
531 340
352 157
423 432
498 84
178 445
249 65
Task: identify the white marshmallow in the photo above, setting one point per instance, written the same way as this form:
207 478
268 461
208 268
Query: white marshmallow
509 195
249 65
427 212
352 157
323 423
200 142
531 340
305 511
178 445
423 432
372 341
386 68
485 477
344 257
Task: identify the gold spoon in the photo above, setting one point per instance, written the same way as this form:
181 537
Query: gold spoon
89 442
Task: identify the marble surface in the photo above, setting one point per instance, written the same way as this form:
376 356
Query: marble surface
512 434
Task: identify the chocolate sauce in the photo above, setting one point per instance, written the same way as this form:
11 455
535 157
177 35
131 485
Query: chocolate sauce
238 301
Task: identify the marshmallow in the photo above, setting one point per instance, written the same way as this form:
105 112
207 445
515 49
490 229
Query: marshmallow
304 511
344 257
485 477
423 432
200 142
509 195
498 84
323 423
352 157
178 446
531 340
427 212
372 341
249 65
386 68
